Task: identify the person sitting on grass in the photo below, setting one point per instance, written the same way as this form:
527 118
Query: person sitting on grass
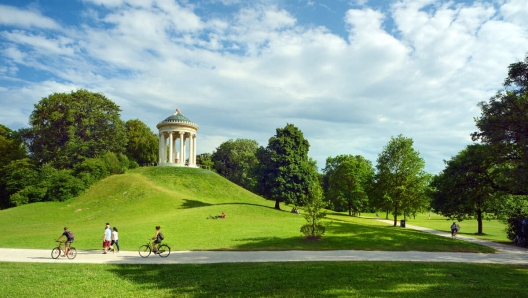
221 216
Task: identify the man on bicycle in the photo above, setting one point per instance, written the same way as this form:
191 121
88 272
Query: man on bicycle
69 240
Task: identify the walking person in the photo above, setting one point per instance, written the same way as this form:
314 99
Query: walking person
107 238
115 240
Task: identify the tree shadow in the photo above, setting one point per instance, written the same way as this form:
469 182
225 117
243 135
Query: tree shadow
325 279
187 204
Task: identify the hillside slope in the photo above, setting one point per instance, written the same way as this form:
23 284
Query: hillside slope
180 200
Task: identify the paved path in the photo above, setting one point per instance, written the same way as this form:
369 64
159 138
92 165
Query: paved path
506 254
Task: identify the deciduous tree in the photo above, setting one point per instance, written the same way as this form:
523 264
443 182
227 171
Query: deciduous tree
400 177
236 161
285 171
67 128
348 179
142 144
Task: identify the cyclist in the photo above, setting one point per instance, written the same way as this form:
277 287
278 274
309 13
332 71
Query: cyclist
157 239
69 240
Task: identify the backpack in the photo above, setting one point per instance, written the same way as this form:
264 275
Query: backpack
70 235
161 236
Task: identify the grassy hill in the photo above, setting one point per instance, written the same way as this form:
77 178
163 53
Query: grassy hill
180 199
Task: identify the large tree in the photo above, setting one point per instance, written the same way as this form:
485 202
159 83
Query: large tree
236 160
285 172
400 178
67 128
464 189
348 180
11 149
502 125
143 144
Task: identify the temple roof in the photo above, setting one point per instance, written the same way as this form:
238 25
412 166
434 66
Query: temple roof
177 118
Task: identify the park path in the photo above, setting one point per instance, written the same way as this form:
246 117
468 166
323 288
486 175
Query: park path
506 254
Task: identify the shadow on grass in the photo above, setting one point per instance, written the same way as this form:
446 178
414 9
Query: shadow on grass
326 279
351 236
187 204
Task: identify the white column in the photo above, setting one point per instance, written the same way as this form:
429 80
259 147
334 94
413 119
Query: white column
182 160
195 137
163 151
184 148
170 148
160 138
191 150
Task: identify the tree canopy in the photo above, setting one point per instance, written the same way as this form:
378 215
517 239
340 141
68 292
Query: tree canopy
348 180
285 172
67 128
464 189
502 125
143 144
400 178
236 161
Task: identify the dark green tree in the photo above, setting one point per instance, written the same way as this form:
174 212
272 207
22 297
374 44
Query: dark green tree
143 144
11 149
67 128
348 179
236 160
205 161
464 189
502 125
284 171
400 178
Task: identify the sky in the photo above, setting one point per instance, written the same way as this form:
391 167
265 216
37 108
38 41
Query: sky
350 74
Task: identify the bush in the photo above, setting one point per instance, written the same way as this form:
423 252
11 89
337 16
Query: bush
64 186
132 164
91 170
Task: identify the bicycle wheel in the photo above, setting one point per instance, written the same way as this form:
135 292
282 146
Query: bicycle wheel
164 250
55 253
72 253
144 251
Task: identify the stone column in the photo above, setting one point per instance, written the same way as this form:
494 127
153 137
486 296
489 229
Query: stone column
184 148
191 150
182 156
194 147
160 145
170 148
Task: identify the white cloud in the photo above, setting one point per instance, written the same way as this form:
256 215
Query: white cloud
12 16
244 74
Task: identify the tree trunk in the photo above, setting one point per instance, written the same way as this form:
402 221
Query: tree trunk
387 214
395 216
479 221
277 205
349 209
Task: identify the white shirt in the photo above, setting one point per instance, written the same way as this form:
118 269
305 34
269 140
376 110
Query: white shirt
114 236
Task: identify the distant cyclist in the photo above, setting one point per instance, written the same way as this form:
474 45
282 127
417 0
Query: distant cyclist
69 239
454 229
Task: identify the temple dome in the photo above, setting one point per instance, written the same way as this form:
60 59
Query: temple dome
177 118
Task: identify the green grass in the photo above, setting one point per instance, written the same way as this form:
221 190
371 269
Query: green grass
493 230
180 199
306 279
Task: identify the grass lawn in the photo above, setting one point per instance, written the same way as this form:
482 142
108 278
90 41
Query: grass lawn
180 199
493 230
306 279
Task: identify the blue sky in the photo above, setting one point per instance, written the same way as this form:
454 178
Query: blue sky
349 74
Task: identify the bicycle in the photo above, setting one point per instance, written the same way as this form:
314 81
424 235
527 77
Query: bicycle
145 250
57 251
519 241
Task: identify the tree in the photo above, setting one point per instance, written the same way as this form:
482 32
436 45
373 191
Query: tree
11 149
348 178
400 178
236 160
465 187
143 144
502 125
314 212
284 171
205 161
67 128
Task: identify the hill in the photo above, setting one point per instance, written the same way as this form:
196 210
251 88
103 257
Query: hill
180 200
